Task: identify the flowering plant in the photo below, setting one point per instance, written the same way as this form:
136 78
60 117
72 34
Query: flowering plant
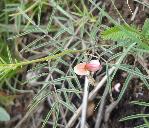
85 68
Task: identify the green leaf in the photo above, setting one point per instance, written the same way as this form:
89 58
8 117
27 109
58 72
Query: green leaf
145 28
144 45
4 116
120 32
128 33
67 105
145 104
141 126
125 86
146 122
134 117
61 9
49 114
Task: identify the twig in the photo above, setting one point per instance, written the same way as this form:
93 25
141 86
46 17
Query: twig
86 125
51 123
109 109
100 111
118 11
84 104
17 90
22 120
92 95
134 14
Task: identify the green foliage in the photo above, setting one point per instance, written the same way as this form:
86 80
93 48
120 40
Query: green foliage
125 35
128 33
54 44
145 104
120 33
145 30
4 115
136 116
6 59
8 68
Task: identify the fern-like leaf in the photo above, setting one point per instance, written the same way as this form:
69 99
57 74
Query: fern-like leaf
6 68
119 33
145 28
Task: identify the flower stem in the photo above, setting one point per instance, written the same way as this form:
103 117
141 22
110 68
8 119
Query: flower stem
84 104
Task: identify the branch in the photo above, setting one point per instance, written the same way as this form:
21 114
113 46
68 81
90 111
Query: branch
84 104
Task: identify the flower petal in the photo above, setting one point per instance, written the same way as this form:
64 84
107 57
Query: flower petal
93 65
80 69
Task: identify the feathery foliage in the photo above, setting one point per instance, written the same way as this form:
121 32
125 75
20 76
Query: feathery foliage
144 116
128 33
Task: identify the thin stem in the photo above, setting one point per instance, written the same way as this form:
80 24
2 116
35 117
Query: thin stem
100 111
84 104
118 12
17 90
43 59
50 57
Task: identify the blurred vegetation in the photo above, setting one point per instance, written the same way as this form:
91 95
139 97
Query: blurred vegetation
41 41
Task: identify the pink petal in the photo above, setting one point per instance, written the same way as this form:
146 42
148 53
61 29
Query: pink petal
80 69
93 65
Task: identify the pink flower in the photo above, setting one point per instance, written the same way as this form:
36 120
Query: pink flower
85 68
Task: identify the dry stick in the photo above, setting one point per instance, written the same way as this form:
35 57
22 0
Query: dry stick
92 95
134 14
22 120
109 109
100 111
77 126
84 104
